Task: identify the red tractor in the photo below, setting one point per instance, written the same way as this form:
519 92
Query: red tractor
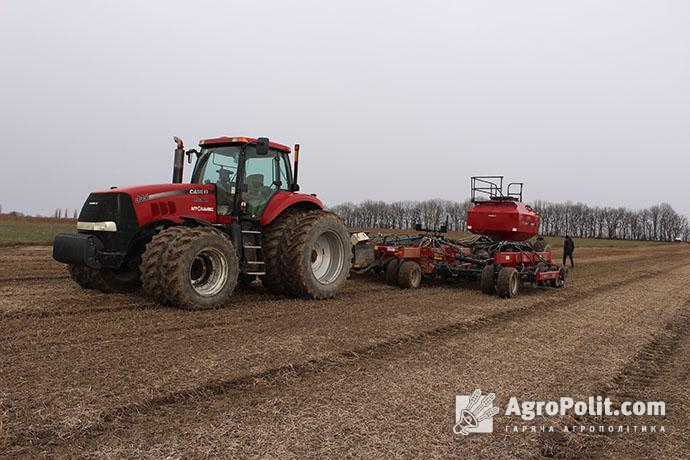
189 245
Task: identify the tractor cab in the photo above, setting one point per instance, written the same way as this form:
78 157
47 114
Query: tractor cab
246 173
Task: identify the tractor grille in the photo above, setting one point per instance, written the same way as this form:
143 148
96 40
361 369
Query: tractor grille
114 207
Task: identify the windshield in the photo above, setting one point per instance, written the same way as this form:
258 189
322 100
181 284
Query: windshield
218 166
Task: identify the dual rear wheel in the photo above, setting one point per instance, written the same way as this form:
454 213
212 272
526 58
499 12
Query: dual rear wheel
314 255
508 283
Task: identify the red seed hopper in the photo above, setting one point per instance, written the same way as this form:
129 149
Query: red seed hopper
498 215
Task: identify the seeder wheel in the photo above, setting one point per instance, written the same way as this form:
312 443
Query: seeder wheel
508 283
392 269
560 281
410 275
541 267
487 280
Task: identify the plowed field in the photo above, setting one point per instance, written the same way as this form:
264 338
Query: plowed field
372 373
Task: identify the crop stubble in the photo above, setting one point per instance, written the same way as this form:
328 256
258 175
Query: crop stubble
372 372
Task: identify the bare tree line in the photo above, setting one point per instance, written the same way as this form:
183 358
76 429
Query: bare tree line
58 214
656 223
405 214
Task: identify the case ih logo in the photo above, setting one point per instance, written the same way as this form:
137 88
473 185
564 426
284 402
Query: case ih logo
198 191
474 414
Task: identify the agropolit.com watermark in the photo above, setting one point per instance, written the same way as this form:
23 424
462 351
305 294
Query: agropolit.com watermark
594 406
475 414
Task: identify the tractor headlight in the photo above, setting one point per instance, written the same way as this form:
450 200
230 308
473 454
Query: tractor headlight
108 226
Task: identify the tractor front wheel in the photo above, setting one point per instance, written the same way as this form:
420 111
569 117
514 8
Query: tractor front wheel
82 275
201 269
154 259
410 275
105 280
508 283
125 280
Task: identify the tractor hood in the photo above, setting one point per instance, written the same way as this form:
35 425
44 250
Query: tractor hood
161 202
141 193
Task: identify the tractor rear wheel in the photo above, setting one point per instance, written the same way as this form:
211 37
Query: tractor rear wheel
274 280
152 262
487 280
201 269
410 275
316 255
508 283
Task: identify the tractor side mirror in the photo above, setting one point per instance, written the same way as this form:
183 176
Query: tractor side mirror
262 146
189 154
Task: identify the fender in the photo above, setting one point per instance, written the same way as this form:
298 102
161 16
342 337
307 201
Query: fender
283 200
196 220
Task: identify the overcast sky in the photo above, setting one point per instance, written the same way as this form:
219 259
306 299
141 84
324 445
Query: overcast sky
582 100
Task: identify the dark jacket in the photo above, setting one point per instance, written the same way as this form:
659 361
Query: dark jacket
568 246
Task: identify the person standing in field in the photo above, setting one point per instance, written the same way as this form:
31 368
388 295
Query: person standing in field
568 250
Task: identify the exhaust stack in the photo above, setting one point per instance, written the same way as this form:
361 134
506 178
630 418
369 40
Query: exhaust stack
178 163
295 170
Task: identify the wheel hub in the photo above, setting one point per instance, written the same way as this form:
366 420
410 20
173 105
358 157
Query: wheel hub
208 272
327 256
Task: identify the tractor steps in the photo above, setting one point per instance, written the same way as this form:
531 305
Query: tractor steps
253 252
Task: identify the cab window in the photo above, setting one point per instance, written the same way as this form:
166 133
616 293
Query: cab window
265 175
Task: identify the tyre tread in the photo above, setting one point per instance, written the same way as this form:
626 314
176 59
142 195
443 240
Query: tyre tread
152 262
275 280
